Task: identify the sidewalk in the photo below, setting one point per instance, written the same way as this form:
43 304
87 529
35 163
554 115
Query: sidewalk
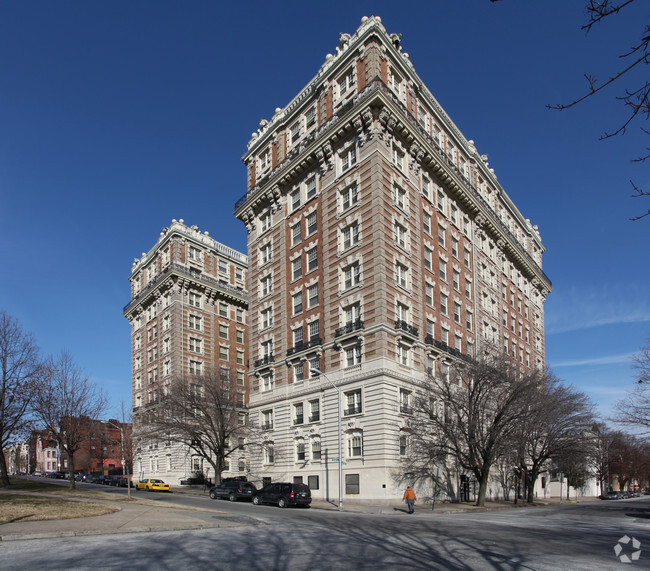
143 517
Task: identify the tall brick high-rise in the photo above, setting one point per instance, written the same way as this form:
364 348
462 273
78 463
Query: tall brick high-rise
381 246
188 315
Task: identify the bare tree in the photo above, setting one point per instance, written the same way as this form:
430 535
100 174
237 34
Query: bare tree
21 373
634 409
601 444
635 94
65 403
559 424
473 415
206 413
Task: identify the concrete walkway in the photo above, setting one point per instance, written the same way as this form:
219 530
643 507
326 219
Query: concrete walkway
137 517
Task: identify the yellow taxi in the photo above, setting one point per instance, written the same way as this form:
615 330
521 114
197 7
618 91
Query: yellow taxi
152 485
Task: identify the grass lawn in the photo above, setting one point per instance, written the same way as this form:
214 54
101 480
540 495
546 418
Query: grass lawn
20 507
26 507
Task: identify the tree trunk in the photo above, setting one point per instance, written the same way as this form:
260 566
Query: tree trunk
73 482
482 488
4 477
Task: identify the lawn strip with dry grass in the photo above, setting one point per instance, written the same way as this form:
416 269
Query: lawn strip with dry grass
22 507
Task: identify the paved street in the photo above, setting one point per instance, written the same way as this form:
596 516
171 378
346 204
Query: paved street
567 536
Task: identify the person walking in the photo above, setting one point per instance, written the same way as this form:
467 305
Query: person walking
409 498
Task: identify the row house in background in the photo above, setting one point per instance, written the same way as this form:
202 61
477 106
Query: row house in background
382 248
44 452
188 314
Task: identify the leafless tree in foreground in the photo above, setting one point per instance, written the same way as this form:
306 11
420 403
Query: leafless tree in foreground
635 94
634 409
206 413
21 373
473 416
558 424
65 402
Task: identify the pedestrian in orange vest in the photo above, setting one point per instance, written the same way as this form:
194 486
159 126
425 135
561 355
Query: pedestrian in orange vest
409 498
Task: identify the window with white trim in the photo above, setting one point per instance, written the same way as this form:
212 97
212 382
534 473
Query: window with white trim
350 235
266 317
352 275
355 444
349 196
353 356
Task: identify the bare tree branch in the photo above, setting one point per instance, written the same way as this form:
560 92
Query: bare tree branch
21 372
65 402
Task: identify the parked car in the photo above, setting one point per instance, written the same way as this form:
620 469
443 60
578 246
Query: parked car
152 485
90 478
612 496
118 481
284 495
37 473
233 490
101 479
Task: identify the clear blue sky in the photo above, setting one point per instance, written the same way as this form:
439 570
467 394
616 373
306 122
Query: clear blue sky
116 117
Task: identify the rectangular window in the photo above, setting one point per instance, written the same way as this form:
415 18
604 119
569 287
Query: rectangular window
457 312
400 235
426 222
312 481
353 402
297 303
349 158
265 254
296 268
443 270
195 322
401 275
223 310
312 223
349 196
311 187
312 296
429 295
310 116
443 304
223 331
441 236
295 132
314 411
398 158
454 247
346 83
312 259
267 317
314 330
298 414
223 353
355 446
352 484
350 235
456 280
295 234
426 187
352 275
428 259
353 356
195 345
295 199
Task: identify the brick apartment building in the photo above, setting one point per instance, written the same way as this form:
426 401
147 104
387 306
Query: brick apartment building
188 314
381 248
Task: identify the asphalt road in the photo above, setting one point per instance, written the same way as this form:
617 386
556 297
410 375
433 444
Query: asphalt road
570 536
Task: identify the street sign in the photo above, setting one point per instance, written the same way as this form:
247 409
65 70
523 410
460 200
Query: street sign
336 460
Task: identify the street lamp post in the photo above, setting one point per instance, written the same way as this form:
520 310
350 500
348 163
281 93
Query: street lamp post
338 389
124 470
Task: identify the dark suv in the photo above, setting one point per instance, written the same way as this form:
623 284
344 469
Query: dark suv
284 495
233 490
